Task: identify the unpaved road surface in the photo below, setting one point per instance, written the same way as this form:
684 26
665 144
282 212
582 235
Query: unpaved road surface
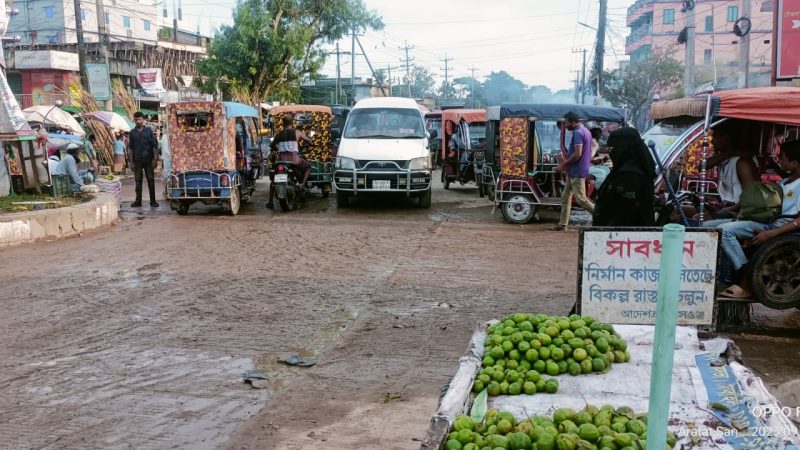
138 336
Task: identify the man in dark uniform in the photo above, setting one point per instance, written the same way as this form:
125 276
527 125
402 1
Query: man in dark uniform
143 148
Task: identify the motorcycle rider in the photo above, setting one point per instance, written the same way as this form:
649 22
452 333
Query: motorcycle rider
286 142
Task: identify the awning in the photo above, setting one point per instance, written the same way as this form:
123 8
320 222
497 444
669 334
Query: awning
767 104
121 111
148 112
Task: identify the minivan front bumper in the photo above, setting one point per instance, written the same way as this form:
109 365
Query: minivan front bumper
382 176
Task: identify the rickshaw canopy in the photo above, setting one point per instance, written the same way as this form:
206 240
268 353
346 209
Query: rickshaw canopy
681 109
767 104
283 109
469 115
233 109
558 111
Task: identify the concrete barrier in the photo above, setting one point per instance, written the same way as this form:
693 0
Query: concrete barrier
29 226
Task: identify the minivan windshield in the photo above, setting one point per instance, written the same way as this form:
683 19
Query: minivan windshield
384 123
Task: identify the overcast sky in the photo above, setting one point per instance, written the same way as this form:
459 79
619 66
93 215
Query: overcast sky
533 40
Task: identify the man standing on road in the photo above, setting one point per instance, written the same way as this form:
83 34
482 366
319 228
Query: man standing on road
576 168
143 146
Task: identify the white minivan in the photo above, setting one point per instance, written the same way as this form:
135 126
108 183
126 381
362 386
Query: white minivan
384 148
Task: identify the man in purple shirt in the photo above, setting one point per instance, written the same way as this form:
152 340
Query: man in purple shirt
576 168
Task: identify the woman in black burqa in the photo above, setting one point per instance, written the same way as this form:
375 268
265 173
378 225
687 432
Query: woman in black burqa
626 197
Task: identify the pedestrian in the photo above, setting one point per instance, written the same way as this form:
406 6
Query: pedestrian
119 152
88 148
143 146
576 168
626 197
68 166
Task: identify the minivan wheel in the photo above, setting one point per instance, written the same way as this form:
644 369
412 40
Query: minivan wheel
425 199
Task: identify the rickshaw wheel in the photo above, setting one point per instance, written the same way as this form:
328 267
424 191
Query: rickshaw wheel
479 181
775 273
183 207
518 208
234 203
445 181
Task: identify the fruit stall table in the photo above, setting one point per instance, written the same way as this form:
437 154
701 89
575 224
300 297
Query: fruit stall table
716 402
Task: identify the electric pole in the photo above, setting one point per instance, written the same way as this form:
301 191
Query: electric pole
389 79
366 58
446 69
600 47
744 49
576 80
583 77
472 89
408 66
688 76
353 65
102 41
81 45
338 76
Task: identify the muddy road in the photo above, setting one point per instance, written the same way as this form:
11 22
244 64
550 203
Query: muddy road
137 336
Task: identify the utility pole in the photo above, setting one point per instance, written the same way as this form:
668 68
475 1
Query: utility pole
338 76
472 89
576 80
688 76
353 65
583 77
389 78
600 47
408 66
81 45
744 49
102 40
366 58
446 69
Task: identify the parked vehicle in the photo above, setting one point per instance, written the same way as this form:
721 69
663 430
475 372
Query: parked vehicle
771 115
315 122
531 143
463 143
384 148
215 156
491 166
433 124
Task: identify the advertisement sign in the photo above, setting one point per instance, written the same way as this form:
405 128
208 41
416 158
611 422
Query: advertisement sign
788 39
150 81
619 272
12 120
46 59
99 81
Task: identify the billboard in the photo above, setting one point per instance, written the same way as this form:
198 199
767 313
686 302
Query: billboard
788 34
99 81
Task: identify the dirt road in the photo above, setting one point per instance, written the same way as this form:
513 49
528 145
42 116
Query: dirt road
138 336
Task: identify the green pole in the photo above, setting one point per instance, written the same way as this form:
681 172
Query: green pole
669 285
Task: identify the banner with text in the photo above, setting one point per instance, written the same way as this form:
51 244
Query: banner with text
99 81
619 272
788 39
150 81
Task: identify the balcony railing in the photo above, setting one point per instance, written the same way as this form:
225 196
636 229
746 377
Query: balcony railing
28 100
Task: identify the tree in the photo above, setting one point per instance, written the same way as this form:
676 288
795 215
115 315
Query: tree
634 86
501 87
272 44
472 91
422 83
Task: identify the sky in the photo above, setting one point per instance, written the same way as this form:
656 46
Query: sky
536 41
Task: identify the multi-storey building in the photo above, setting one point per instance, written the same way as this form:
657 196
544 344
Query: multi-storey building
656 26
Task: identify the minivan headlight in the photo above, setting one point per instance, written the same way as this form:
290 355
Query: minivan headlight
423 163
345 163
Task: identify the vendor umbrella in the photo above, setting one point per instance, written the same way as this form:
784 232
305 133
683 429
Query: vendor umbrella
110 118
53 116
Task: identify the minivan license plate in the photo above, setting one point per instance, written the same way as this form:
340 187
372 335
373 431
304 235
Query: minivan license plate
381 184
281 178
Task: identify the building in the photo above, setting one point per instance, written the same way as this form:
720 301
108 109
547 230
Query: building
656 25
44 63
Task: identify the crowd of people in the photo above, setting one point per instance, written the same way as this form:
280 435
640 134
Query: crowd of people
749 212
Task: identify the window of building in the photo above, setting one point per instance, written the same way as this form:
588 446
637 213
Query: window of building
707 56
733 13
146 25
106 17
709 24
126 21
669 16
49 12
52 39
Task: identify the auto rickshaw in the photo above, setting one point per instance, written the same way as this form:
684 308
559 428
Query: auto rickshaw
433 125
491 165
315 122
531 143
767 117
463 141
214 154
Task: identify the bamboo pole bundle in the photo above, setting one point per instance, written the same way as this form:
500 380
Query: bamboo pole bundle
123 98
103 138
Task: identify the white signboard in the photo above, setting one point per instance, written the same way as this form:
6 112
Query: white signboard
619 272
150 80
99 81
46 59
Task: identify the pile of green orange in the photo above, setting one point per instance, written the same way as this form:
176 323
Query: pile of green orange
522 348
593 428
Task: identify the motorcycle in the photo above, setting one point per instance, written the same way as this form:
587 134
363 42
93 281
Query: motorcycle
288 176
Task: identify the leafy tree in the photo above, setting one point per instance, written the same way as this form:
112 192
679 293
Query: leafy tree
466 85
272 44
540 94
634 86
501 87
422 83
